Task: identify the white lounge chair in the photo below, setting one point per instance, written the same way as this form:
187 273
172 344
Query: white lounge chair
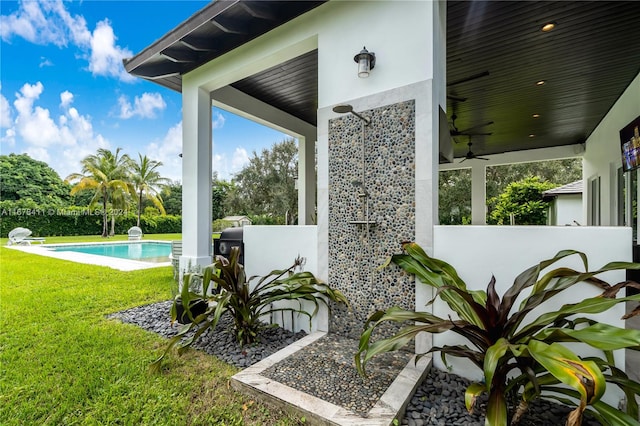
22 237
135 233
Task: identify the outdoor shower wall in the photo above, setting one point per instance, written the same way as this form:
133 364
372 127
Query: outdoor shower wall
355 253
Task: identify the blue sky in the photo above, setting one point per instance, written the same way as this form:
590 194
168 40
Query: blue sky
64 92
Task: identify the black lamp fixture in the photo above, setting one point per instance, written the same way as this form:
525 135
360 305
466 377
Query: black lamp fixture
366 62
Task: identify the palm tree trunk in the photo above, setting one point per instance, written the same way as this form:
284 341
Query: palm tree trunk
139 208
105 219
113 225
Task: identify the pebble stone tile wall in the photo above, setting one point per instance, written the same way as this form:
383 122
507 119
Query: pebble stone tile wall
356 252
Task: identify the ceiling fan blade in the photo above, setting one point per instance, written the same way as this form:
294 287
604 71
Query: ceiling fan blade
463 160
469 78
482 158
488 123
456 98
476 134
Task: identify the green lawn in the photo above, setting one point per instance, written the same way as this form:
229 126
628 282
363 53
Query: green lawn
62 362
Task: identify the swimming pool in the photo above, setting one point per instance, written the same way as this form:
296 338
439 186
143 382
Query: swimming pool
145 251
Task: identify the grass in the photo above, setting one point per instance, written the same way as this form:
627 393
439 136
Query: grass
63 362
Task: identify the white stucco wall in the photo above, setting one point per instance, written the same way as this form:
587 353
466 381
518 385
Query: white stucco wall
602 156
567 209
269 248
477 252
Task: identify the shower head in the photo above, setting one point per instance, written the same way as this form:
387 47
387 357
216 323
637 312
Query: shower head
344 109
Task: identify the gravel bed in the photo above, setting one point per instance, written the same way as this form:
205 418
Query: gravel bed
218 342
326 370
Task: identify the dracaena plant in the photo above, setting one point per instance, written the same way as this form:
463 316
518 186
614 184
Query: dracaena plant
521 357
232 293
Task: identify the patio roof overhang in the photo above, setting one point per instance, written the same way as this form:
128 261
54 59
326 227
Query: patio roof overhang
496 55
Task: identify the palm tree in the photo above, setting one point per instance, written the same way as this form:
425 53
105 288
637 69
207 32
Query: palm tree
105 173
147 182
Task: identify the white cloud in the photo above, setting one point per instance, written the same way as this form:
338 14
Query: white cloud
226 167
45 62
240 159
66 98
66 141
5 113
9 138
145 106
49 22
34 124
217 120
106 56
168 150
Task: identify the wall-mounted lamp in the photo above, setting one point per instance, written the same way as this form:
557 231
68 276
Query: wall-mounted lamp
366 62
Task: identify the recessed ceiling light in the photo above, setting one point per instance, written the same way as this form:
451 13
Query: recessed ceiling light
536 115
540 83
532 135
548 27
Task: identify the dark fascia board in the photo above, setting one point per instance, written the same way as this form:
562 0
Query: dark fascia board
202 17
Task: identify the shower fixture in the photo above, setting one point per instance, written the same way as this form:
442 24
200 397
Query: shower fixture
344 109
358 184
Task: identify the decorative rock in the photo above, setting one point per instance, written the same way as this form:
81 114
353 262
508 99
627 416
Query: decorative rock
439 400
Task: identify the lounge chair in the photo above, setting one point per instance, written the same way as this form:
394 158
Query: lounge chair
22 237
135 233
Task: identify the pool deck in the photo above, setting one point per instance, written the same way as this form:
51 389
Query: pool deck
91 259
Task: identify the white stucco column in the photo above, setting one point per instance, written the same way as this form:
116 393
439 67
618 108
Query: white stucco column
307 179
196 177
478 194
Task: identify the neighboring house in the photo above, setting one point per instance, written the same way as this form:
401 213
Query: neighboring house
565 204
482 74
238 221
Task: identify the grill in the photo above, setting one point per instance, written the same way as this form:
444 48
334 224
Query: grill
230 237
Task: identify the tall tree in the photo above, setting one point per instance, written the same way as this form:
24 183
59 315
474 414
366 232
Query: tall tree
104 173
266 186
454 204
522 202
220 189
23 178
172 198
148 182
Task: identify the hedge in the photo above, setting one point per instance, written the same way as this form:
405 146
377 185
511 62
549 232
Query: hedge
54 220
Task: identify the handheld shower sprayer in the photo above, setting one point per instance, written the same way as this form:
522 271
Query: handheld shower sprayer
358 184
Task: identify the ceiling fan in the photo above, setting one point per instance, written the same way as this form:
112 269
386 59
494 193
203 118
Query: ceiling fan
470 155
468 131
455 97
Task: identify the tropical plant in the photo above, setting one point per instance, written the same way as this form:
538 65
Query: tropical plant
105 173
232 293
148 182
522 201
521 358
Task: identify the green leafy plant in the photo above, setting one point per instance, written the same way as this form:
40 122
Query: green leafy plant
232 293
521 358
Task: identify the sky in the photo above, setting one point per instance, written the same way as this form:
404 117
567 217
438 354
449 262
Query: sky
64 92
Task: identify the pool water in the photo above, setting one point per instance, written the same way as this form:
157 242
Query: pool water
144 251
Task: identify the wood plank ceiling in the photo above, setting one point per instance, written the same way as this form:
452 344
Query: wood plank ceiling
586 61
496 53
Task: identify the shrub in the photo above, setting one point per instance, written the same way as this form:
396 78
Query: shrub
232 293
520 358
